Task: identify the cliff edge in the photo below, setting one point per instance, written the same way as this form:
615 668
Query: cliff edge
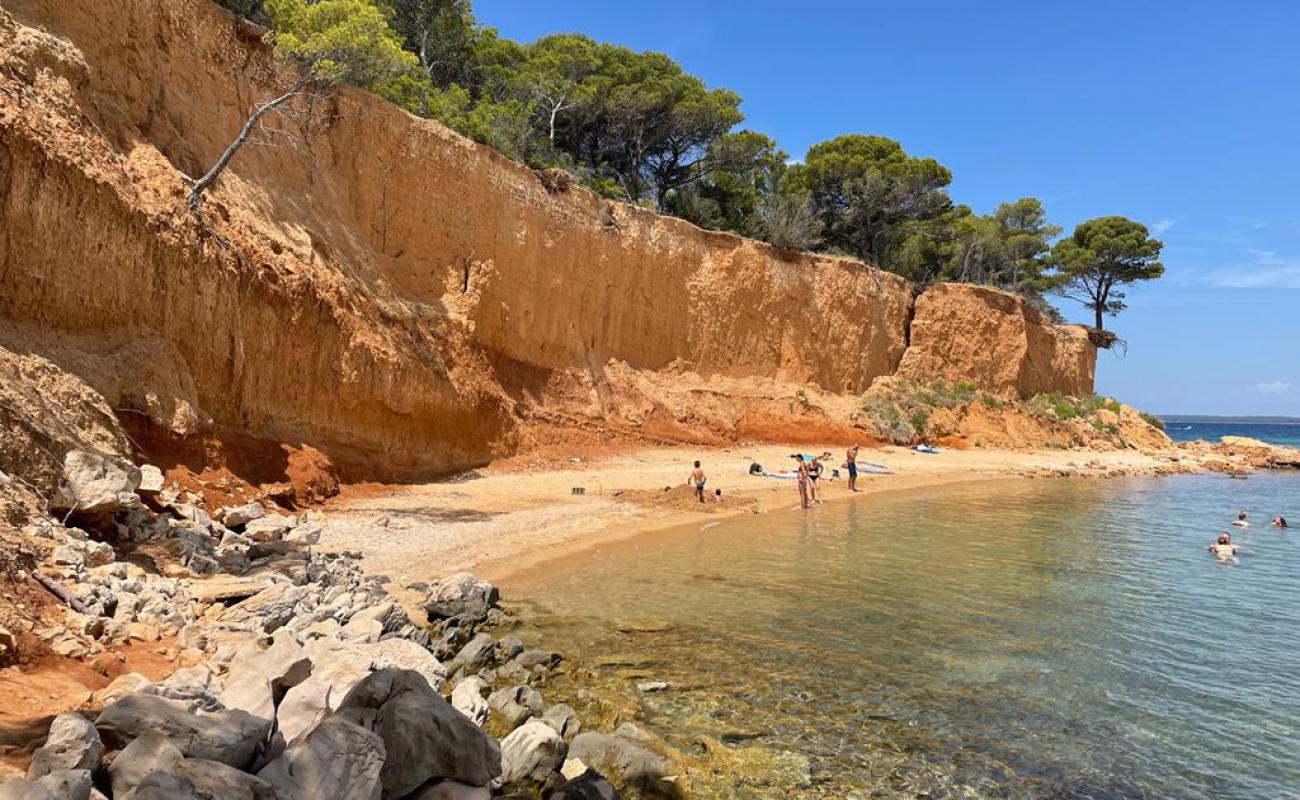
376 286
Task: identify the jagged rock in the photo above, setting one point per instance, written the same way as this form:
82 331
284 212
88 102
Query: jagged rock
192 686
405 654
623 755
267 610
204 780
531 754
590 785
270 528
564 720
67 784
303 705
516 705
306 533
450 790
258 679
146 754
425 737
238 516
509 647
478 653
335 759
72 744
362 629
230 737
151 480
96 483
461 595
538 658
467 698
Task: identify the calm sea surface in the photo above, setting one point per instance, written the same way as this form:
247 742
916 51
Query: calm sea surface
1288 434
1027 639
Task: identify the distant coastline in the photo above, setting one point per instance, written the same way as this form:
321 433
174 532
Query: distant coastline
1224 420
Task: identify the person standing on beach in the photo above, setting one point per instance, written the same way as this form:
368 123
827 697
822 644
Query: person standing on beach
851 464
814 469
802 479
698 479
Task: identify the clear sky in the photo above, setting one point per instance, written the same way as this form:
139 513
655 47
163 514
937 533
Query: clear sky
1183 114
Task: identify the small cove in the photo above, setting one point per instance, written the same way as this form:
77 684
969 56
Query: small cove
1065 638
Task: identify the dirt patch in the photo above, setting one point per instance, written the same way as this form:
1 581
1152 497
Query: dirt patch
682 498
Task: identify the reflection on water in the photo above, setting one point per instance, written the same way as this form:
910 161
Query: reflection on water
1028 639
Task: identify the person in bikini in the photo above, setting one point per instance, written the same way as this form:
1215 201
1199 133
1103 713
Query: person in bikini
698 480
814 469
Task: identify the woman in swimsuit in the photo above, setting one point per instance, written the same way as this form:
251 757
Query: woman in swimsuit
1279 522
802 480
1224 548
814 480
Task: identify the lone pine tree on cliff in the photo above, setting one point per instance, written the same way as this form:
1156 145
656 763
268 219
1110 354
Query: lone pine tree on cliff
1102 255
324 43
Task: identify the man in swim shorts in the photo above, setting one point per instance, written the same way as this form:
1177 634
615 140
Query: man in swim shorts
851 464
1224 548
698 479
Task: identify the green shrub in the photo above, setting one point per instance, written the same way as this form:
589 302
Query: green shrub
1152 420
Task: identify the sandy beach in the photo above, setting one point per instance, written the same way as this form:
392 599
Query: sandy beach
501 520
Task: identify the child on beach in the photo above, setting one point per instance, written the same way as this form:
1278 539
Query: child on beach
698 479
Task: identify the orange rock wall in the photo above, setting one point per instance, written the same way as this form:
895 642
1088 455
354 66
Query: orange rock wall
382 288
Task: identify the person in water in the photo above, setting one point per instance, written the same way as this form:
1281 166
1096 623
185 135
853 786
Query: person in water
1223 548
698 479
814 480
1241 521
802 479
851 464
1279 522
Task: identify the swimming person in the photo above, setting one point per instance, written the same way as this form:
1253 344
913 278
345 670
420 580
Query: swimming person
1241 522
1224 548
698 478
851 464
814 478
1279 522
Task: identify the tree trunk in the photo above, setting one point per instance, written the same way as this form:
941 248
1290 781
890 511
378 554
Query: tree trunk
260 110
1100 311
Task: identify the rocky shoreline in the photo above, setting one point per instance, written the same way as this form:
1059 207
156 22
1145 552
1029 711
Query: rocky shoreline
298 675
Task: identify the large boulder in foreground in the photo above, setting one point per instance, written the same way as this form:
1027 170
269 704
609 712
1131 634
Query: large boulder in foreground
335 759
531 754
424 736
230 737
72 744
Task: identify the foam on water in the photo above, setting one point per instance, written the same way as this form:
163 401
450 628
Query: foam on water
1019 639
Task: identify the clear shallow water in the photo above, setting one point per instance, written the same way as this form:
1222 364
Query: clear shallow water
1283 434
1024 639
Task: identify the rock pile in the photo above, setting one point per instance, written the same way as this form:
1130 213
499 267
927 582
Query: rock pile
302 677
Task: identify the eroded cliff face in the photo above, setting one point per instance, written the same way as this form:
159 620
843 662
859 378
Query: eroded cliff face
995 340
406 300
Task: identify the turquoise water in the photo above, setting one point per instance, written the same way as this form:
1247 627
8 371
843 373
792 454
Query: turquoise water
1283 434
1031 639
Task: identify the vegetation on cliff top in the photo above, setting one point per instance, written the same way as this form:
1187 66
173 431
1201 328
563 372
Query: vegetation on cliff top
636 127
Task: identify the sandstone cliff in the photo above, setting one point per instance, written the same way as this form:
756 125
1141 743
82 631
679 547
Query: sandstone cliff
406 300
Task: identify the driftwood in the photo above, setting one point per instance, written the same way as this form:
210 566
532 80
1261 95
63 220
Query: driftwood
55 588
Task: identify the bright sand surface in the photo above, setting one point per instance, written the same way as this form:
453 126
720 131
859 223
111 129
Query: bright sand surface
500 520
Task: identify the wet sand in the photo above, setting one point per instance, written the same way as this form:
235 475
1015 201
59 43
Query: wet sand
499 521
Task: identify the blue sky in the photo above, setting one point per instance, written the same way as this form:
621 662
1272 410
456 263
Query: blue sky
1183 115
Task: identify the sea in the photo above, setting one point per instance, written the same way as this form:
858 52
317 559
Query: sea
1014 639
1275 433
